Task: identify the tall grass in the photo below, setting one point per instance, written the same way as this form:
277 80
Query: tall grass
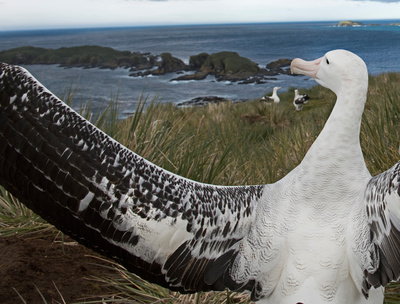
230 144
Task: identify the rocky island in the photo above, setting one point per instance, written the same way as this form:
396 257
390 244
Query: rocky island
349 23
88 56
225 66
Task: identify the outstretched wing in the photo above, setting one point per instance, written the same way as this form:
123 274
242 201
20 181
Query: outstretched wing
170 230
383 211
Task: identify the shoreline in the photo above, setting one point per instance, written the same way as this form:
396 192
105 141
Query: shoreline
224 65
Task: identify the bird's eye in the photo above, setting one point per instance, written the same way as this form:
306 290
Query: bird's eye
327 61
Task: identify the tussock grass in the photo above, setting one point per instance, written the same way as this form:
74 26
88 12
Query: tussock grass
121 286
229 144
16 218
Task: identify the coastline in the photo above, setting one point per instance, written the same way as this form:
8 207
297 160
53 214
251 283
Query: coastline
260 43
225 65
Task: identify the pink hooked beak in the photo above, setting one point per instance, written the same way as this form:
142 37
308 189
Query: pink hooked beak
308 68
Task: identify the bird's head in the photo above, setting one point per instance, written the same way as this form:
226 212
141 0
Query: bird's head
336 70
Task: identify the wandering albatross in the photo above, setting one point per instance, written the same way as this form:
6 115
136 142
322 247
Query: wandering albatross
327 232
273 98
300 100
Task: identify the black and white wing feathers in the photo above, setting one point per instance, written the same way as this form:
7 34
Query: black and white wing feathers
300 100
382 197
170 230
266 99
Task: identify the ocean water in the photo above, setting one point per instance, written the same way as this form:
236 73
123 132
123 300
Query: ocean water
378 45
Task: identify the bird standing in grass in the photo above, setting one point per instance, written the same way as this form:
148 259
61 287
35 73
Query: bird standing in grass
300 100
273 98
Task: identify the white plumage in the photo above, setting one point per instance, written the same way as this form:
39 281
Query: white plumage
327 232
300 100
273 98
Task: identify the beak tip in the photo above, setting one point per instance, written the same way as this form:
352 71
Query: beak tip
292 66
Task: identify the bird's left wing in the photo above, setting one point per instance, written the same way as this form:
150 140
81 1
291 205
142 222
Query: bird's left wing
382 197
170 230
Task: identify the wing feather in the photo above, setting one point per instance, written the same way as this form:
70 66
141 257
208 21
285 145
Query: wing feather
170 230
383 211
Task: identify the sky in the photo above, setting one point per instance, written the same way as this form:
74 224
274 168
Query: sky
45 14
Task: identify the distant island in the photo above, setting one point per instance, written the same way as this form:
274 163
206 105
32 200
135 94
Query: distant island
347 23
223 65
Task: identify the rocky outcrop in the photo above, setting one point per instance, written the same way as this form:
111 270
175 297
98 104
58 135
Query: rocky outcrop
279 64
349 23
88 56
354 23
197 61
225 66
230 66
169 64
195 76
206 100
202 101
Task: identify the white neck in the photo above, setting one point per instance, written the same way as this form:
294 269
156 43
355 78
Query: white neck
337 151
343 125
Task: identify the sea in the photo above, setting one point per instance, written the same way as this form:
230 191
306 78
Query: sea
376 42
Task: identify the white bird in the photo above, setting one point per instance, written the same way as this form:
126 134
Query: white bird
327 232
300 100
273 98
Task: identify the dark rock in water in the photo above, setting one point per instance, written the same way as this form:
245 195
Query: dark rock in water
202 101
225 66
165 64
87 56
252 80
197 61
349 23
195 76
229 66
169 64
279 64
140 73
205 100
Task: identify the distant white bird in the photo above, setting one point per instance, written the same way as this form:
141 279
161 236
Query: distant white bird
300 100
274 98
326 233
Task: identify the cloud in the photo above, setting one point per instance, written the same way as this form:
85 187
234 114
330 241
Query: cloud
383 1
164 0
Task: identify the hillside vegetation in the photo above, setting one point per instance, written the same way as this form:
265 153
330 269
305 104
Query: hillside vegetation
232 144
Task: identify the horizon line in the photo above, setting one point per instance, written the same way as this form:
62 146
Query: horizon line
93 27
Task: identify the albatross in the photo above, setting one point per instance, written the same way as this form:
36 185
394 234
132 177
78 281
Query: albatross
300 100
328 232
273 98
